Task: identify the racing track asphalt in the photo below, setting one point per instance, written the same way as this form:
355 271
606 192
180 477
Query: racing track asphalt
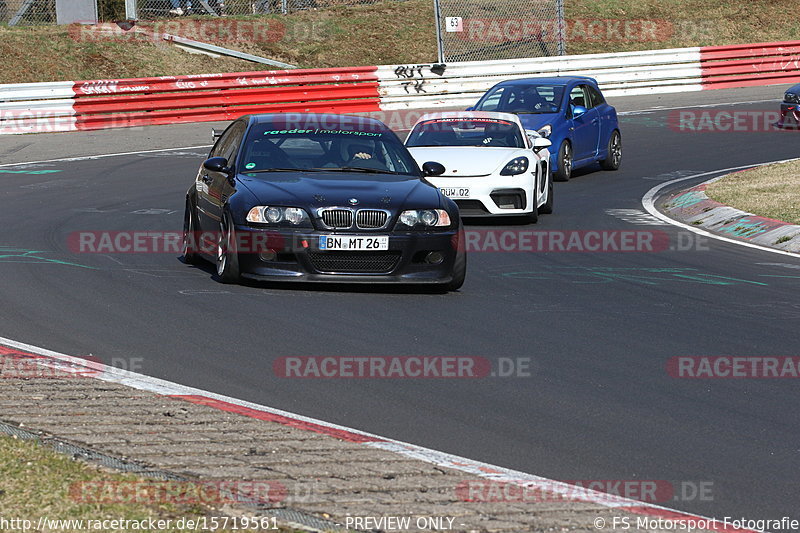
598 328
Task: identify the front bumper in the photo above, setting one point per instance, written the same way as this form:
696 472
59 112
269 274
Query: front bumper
297 257
490 196
790 116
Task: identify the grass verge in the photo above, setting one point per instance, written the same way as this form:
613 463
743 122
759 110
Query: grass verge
771 191
38 482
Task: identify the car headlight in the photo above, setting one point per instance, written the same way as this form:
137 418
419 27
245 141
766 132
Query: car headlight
791 98
427 218
545 131
518 165
274 215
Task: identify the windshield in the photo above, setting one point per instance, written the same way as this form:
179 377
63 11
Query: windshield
526 99
466 132
369 150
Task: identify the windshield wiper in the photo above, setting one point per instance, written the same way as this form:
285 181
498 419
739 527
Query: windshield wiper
282 170
356 169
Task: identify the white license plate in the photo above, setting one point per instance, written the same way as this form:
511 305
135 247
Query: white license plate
455 192
350 242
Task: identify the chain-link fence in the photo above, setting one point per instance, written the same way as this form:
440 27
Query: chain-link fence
29 12
474 30
151 9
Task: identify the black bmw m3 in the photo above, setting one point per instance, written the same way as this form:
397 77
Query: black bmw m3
322 198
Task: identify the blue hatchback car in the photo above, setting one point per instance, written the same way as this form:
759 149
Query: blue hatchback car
570 111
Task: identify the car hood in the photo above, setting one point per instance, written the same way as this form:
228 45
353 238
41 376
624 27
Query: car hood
466 161
322 189
537 121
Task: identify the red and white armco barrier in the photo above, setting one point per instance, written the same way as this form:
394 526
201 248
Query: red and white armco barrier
746 65
98 104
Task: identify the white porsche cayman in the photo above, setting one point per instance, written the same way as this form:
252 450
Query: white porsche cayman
493 167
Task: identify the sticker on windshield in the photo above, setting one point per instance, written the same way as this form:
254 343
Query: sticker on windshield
324 132
248 166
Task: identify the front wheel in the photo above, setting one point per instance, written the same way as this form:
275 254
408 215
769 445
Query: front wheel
547 207
564 171
459 266
190 252
459 272
227 253
614 157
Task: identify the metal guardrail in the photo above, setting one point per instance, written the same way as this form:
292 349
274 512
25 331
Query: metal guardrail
218 50
95 104
750 64
625 73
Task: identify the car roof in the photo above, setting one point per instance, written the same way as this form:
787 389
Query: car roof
317 120
510 117
553 80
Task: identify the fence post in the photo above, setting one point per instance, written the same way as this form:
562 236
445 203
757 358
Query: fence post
438 19
561 37
131 10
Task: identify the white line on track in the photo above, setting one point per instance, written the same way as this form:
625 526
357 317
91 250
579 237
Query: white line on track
648 201
102 156
442 459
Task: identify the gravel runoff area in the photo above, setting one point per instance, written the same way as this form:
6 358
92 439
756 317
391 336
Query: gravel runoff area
317 475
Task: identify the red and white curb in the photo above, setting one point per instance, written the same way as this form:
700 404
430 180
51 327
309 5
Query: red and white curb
260 412
699 214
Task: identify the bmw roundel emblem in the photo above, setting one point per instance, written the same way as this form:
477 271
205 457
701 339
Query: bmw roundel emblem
353 201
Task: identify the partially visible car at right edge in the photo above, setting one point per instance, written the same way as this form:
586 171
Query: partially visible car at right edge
570 111
790 108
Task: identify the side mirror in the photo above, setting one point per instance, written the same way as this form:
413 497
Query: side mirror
540 143
578 110
217 164
432 168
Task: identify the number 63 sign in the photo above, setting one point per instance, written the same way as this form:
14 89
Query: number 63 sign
452 24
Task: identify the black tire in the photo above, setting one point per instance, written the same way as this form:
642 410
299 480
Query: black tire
547 207
227 254
564 172
460 265
614 159
190 253
533 216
